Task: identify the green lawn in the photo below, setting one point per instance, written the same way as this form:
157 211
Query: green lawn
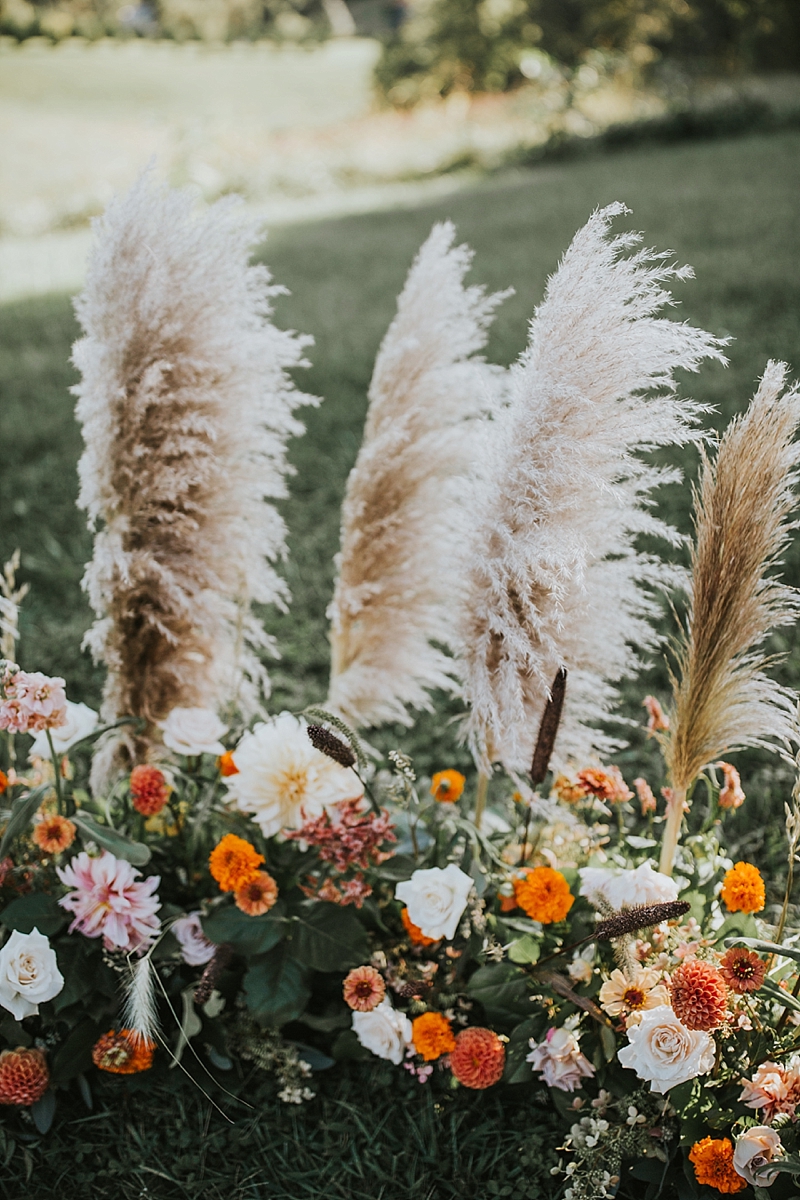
729 208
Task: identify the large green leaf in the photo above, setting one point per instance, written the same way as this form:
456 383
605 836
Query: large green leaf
74 1055
759 944
250 935
503 990
22 814
276 987
326 937
517 1069
35 911
111 839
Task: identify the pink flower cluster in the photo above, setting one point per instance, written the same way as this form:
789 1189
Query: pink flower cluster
32 702
108 901
774 1088
352 839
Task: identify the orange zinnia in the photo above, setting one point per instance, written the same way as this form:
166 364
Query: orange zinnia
447 785
234 863
54 834
544 895
123 1053
712 1159
432 1035
743 889
414 932
149 790
258 895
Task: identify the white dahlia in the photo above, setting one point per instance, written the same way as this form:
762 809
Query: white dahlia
282 779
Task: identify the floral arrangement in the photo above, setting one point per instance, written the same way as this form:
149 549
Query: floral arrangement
186 877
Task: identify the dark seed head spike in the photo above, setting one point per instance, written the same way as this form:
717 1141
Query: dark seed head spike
328 743
551 719
630 920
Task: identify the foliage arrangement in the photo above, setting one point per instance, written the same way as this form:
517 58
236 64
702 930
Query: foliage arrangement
215 883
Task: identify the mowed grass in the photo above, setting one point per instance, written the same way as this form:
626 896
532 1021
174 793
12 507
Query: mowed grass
730 209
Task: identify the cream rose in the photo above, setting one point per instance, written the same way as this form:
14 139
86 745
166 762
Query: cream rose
435 899
384 1031
192 731
29 974
81 721
627 889
663 1051
559 1060
755 1149
195 946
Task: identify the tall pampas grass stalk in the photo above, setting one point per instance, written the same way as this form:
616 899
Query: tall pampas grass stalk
557 578
723 699
404 520
138 1014
186 408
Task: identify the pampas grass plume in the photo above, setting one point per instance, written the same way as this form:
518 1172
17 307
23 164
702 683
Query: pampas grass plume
139 1013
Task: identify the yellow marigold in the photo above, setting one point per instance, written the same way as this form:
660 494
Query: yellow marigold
234 863
447 785
712 1159
743 889
544 895
432 1035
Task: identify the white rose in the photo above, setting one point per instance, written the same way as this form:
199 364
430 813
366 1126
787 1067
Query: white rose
755 1148
195 946
384 1031
192 731
662 1050
29 974
81 721
627 889
435 899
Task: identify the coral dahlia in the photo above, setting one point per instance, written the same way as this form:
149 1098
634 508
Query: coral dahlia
24 1076
743 889
54 834
234 863
712 1159
544 895
699 995
432 1035
258 895
123 1053
606 784
363 989
149 790
742 970
478 1058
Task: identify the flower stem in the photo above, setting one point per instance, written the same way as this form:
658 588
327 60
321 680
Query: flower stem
672 831
480 798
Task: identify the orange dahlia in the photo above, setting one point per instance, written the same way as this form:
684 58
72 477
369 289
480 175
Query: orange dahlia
24 1077
743 889
258 895
544 895
149 790
54 834
363 989
432 1035
568 790
712 1159
415 934
478 1058
447 785
605 784
122 1053
226 764
742 970
699 995
234 863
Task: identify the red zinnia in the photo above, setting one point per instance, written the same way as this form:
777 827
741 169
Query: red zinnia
149 790
123 1052
23 1076
742 970
699 995
478 1059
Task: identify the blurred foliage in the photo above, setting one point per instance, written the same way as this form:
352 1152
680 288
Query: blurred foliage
449 46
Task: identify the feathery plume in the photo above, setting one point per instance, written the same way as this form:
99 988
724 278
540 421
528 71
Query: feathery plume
402 523
186 408
722 698
556 578
139 1015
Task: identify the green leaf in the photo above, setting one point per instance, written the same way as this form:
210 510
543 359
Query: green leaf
737 924
502 989
111 839
22 813
347 1048
74 1055
35 911
524 950
517 1069
697 901
250 935
328 938
44 1110
397 868
754 943
276 987
777 994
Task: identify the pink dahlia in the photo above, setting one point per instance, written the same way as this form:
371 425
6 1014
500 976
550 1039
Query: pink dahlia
108 901
32 702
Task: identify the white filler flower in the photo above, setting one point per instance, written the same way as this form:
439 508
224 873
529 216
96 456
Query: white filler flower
754 1150
384 1031
627 889
662 1050
436 898
283 778
81 721
29 974
192 731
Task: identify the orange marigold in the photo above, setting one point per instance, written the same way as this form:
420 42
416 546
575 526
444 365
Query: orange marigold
24 1077
478 1058
414 932
605 783
3 782
258 895
712 1159
53 834
121 1053
149 790
226 764
432 1035
743 889
447 785
699 995
544 895
234 863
